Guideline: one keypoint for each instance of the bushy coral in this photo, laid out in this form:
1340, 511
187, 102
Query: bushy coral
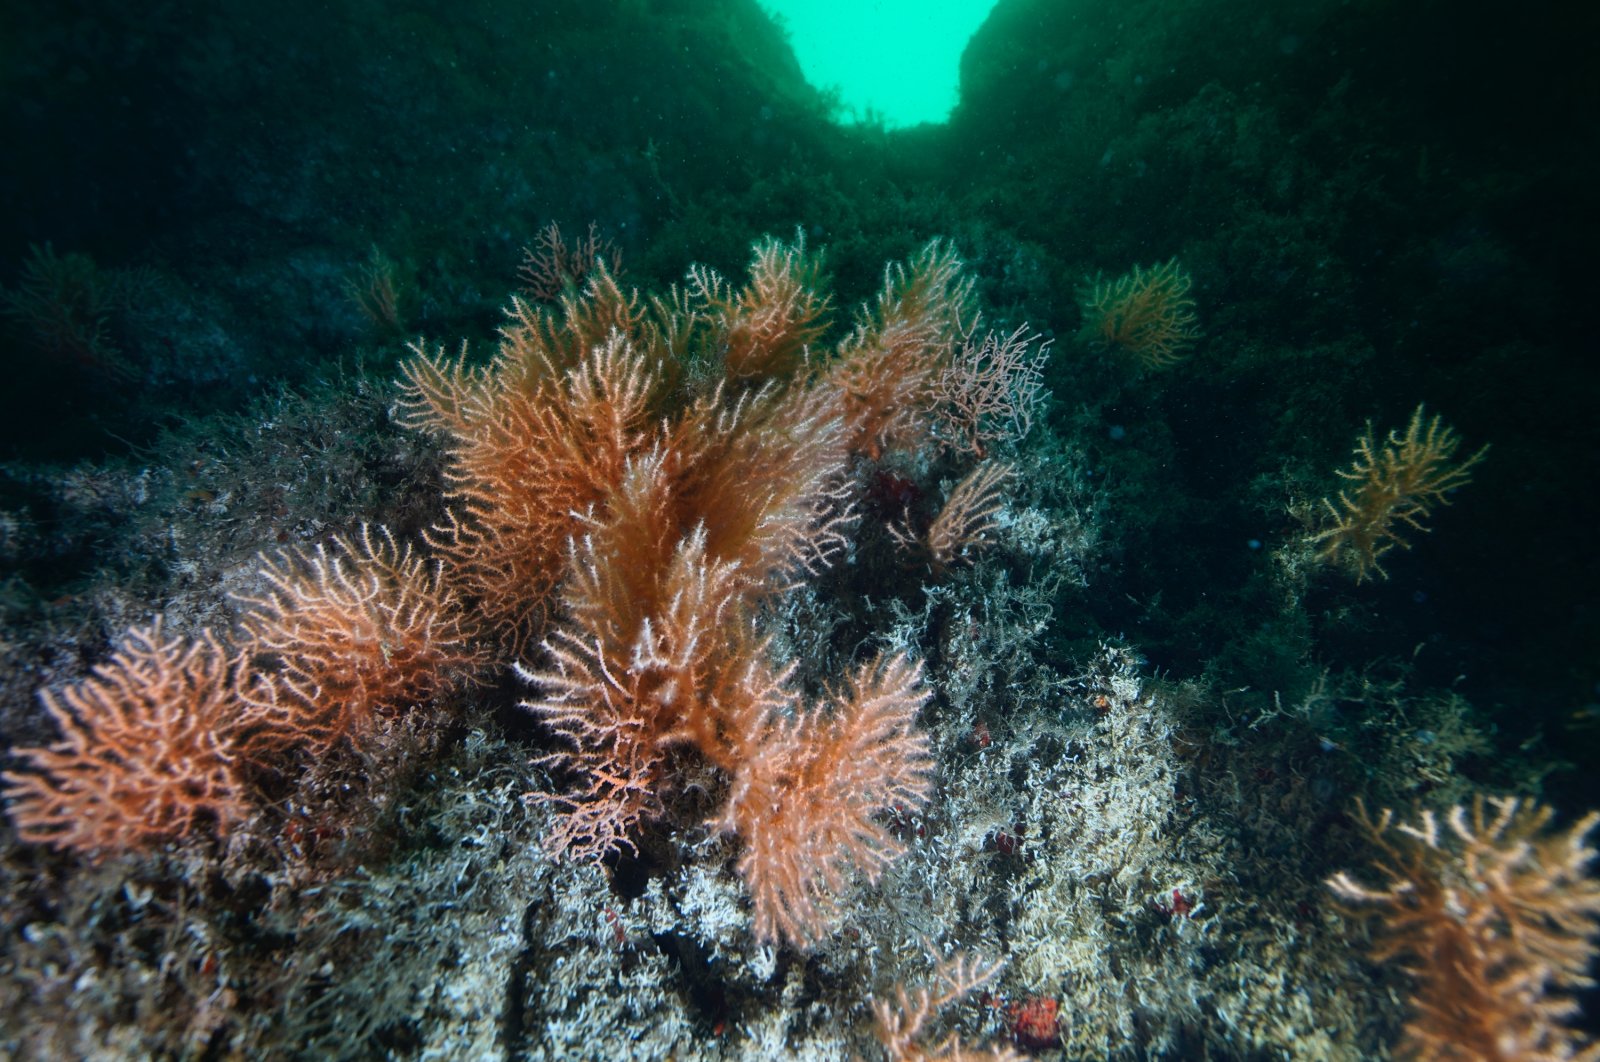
166, 740
889, 368
767, 325
144, 755
1146, 314
354, 633
654, 521
1494, 918
658, 622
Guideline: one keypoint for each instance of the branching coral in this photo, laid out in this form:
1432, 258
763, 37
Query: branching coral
1147, 314
1398, 484
809, 783
1494, 917
358, 632
655, 526
145, 752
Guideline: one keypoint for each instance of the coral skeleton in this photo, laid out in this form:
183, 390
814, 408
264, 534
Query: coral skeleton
900, 1024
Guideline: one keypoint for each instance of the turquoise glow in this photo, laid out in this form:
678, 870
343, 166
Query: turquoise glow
893, 60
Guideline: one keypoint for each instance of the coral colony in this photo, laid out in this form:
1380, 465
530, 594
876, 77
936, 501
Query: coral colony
633, 488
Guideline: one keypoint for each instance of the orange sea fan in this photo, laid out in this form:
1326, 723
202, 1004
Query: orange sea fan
530, 451
808, 788
657, 622
929, 296
767, 483
662, 587
359, 631
145, 752
888, 368
653, 524
536, 342
639, 666
766, 326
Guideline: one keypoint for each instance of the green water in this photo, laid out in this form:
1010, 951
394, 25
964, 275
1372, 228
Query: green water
895, 61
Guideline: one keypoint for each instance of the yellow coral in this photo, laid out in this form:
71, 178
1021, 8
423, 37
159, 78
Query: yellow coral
1494, 919
1147, 314
1399, 484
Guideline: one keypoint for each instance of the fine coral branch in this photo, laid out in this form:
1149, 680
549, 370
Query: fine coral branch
991, 390
145, 753
1495, 919
967, 517
809, 787
1397, 485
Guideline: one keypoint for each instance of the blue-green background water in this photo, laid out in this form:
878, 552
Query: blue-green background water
897, 62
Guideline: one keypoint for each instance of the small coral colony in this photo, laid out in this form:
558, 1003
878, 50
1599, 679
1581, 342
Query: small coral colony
631, 486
